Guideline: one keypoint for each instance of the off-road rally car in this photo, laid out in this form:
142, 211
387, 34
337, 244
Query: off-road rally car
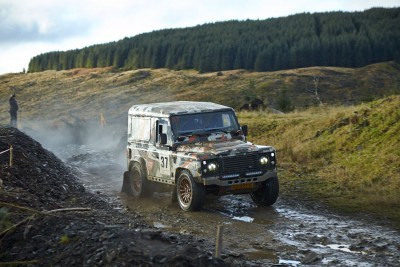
196, 148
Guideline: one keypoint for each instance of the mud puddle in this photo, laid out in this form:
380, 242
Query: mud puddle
287, 233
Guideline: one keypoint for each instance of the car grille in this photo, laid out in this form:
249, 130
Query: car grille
239, 164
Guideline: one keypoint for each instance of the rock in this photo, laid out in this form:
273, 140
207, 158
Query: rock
310, 258
39, 181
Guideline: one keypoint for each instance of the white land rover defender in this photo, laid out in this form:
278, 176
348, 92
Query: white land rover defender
196, 148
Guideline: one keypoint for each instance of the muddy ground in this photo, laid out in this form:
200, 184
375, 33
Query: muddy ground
120, 231
49, 218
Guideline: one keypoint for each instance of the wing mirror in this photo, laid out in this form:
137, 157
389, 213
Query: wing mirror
244, 130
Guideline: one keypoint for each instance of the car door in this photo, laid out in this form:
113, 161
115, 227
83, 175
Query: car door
164, 154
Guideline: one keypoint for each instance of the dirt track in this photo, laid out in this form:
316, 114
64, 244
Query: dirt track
291, 233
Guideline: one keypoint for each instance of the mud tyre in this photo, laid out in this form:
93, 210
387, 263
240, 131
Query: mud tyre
135, 182
190, 195
267, 194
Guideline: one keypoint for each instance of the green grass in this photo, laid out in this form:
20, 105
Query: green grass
347, 157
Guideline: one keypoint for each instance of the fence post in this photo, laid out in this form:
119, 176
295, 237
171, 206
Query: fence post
102, 120
11, 155
218, 245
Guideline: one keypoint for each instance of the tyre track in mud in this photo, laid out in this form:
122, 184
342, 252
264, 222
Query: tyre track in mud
287, 233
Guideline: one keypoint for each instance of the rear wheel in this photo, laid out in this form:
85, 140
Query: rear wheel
190, 194
268, 193
137, 184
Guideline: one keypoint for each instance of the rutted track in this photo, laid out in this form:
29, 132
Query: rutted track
287, 233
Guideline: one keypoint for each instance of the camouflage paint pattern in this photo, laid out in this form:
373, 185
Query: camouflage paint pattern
163, 163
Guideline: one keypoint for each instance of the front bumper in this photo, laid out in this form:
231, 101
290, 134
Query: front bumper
217, 181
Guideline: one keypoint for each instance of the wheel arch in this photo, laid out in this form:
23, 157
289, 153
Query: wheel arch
179, 170
142, 163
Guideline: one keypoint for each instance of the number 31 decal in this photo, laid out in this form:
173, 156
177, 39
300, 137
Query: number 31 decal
164, 162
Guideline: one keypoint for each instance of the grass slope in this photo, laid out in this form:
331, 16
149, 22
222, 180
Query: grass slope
87, 92
349, 157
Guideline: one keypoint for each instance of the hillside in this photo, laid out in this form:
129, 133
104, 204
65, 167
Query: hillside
85, 93
346, 157
342, 39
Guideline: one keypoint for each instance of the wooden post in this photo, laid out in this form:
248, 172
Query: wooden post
11, 155
102, 120
218, 245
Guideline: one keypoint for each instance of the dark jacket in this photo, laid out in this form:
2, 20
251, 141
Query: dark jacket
13, 104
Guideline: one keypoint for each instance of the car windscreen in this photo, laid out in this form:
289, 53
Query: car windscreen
206, 122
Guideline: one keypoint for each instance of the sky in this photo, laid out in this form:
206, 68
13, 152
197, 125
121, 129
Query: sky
32, 27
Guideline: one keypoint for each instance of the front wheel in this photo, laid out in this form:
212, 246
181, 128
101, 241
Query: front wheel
268, 193
190, 194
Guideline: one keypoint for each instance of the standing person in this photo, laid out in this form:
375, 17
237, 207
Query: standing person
13, 111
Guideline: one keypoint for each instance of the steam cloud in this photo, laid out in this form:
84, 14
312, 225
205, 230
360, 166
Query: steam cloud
98, 151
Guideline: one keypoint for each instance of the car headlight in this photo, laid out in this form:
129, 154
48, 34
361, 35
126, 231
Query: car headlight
212, 167
209, 166
264, 160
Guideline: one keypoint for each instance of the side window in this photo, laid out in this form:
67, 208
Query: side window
159, 131
162, 126
140, 128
